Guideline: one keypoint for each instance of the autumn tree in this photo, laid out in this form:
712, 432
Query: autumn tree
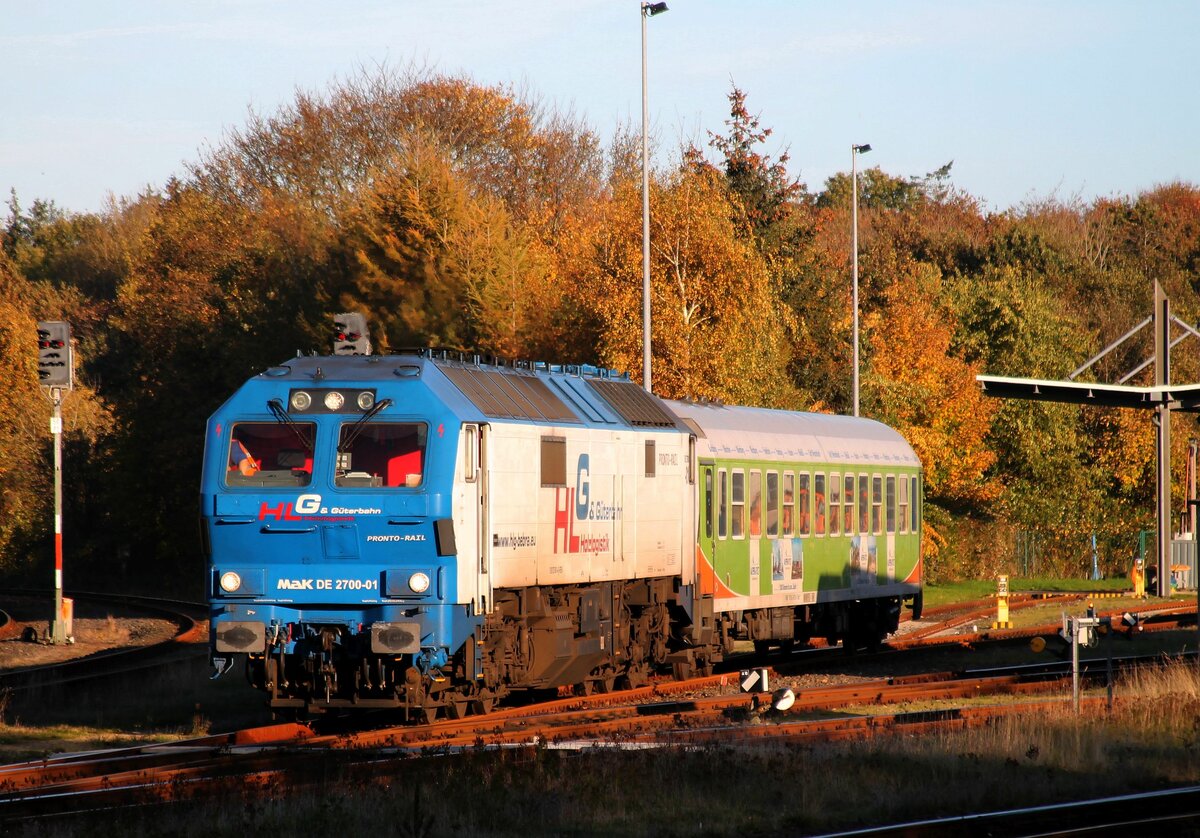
24, 478
25, 452
916, 384
717, 329
763, 186
443, 267
323, 148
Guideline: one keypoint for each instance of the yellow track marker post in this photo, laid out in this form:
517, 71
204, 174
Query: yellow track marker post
1002, 621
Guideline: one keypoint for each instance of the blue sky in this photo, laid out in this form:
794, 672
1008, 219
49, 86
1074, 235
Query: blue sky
1028, 98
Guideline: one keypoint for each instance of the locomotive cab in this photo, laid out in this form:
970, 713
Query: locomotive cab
330, 543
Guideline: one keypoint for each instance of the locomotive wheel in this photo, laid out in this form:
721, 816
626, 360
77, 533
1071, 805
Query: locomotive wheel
682, 670
634, 677
459, 707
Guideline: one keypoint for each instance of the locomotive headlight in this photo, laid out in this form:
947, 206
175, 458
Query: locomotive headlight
334, 400
231, 581
301, 400
366, 400
419, 582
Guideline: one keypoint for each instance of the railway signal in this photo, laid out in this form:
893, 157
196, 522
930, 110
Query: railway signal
56, 372
55, 368
350, 334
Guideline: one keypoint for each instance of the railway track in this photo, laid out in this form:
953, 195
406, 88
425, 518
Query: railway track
660, 715
1165, 812
663, 714
191, 629
1161, 618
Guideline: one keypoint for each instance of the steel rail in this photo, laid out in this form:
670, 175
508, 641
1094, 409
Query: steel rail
188, 617
1162, 807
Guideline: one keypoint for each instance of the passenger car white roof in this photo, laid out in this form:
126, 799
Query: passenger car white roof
753, 433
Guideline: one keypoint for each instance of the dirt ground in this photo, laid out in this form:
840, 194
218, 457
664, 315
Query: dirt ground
95, 629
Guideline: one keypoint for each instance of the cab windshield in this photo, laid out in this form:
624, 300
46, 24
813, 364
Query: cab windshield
268, 454
381, 454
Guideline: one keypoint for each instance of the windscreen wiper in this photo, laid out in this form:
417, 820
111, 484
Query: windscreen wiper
281, 416
358, 426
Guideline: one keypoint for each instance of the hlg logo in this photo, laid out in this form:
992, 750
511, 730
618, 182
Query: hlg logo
579, 501
304, 505
582, 487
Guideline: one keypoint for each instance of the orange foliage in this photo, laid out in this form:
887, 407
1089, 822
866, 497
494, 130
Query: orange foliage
718, 330
1123, 446
915, 385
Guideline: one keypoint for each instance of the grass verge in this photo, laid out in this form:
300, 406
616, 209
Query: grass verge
972, 589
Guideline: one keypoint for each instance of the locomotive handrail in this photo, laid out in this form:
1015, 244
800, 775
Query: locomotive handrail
268, 529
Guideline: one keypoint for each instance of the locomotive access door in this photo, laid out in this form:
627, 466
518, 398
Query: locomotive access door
475, 548
482, 532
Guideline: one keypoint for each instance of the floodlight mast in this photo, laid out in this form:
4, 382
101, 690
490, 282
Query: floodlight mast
648, 10
855, 150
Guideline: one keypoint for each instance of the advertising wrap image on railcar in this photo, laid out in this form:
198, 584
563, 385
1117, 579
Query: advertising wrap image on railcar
433, 533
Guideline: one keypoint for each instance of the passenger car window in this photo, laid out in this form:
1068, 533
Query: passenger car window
737, 504
772, 504
804, 504
819, 504
789, 503
756, 503
835, 503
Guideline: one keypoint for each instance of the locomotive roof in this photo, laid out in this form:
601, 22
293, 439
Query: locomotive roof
759, 433
594, 397
542, 393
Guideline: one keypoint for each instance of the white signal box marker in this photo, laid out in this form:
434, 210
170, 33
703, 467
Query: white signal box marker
754, 680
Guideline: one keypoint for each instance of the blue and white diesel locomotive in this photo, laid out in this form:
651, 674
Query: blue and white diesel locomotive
429, 532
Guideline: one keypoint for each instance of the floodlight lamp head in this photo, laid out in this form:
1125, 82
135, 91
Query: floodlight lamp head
652, 9
863, 149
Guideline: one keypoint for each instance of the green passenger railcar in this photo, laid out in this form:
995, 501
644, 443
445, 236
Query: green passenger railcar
809, 525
